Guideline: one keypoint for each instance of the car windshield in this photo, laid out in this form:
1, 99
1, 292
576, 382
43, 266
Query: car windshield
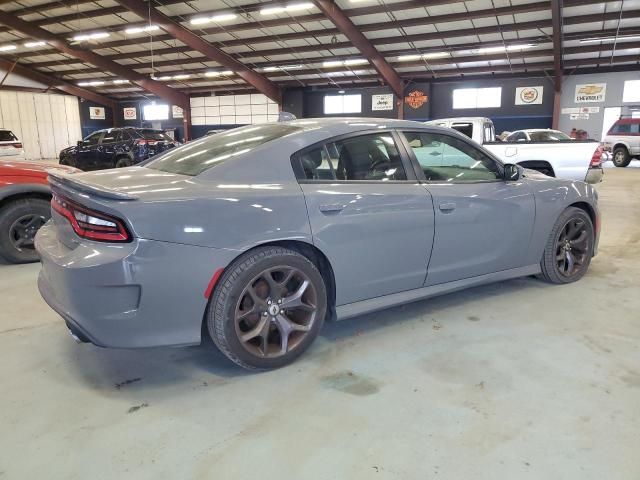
548, 136
7, 136
200, 155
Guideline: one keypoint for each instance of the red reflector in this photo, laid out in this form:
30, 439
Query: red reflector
212, 282
90, 224
16, 145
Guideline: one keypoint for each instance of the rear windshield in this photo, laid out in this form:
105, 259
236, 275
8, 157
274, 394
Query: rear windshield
152, 135
200, 155
550, 136
7, 136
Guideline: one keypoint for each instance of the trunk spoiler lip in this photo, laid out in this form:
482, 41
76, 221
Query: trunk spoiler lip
65, 180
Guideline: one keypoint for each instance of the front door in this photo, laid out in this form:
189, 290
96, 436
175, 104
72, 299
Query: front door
368, 214
483, 224
87, 152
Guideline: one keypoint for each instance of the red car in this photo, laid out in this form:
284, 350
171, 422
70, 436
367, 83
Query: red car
24, 206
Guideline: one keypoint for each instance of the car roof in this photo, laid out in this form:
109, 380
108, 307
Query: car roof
461, 119
622, 121
535, 130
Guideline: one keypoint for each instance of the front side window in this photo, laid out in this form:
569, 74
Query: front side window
195, 157
621, 128
447, 159
92, 139
548, 136
109, 137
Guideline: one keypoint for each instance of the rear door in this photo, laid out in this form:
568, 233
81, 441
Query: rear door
107, 149
87, 155
368, 214
483, 224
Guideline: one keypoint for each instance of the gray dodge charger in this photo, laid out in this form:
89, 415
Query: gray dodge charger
257, 235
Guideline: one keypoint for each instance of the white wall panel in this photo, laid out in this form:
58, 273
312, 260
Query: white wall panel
28, 122
45, 126
44, 123
234, 109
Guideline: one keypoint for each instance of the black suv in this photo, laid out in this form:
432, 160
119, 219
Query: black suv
116, 147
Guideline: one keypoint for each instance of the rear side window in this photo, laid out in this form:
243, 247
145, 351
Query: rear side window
464, 128
195, 157
154, 135
625, 128
7, 136
363, 157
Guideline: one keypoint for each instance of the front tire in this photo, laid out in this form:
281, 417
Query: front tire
267, 308
19, 223
569, 248
621, 157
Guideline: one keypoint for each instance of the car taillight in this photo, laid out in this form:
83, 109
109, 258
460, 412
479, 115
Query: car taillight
90, 224
16, 145
596, 159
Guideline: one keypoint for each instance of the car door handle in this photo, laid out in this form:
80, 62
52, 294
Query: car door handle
331, 207
447, 207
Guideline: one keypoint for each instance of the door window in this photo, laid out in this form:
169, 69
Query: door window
447, 159
362, 157
367, 157
109, 137
92, 139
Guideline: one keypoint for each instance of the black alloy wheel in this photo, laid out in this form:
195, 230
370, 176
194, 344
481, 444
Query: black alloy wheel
267, 307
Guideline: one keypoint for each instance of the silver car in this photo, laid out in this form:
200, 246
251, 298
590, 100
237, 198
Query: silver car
258, 234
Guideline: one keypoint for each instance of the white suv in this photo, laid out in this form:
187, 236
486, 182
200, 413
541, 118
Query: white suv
10, 146
623, 139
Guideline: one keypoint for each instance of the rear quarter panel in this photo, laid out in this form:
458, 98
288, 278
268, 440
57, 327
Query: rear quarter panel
552, 197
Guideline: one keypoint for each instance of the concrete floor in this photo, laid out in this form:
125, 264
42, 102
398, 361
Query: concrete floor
518, 380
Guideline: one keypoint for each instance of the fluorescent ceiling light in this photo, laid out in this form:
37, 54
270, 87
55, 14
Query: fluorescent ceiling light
93, 83
6, 48
218, 74
346, 63
425, 56
182, 76
292, 7
147, 28
91, 36
35, 44
120, 82
610, 39
502, 48
223, 17
282, 67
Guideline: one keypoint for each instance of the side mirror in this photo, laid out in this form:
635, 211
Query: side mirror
512, 172
79, 144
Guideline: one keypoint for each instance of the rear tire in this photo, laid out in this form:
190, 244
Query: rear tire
569, 248
19, 222
621, 157
267, 308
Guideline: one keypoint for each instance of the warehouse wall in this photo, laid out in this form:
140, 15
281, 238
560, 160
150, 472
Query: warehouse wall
313, 102
508, 116
613, 98
45, 123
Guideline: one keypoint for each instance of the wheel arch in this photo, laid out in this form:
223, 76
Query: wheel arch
588, 209
306, 249
23, 192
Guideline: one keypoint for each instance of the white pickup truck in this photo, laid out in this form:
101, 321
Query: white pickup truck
572, 159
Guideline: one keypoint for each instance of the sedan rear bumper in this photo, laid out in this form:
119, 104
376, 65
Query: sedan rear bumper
97, 288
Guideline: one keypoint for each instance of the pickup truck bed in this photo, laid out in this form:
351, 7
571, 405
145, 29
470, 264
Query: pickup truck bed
569, 160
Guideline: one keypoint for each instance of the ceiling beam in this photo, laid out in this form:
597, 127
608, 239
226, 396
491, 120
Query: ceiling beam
362, 43
175, 29
56, 83
175, 97
556, 20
